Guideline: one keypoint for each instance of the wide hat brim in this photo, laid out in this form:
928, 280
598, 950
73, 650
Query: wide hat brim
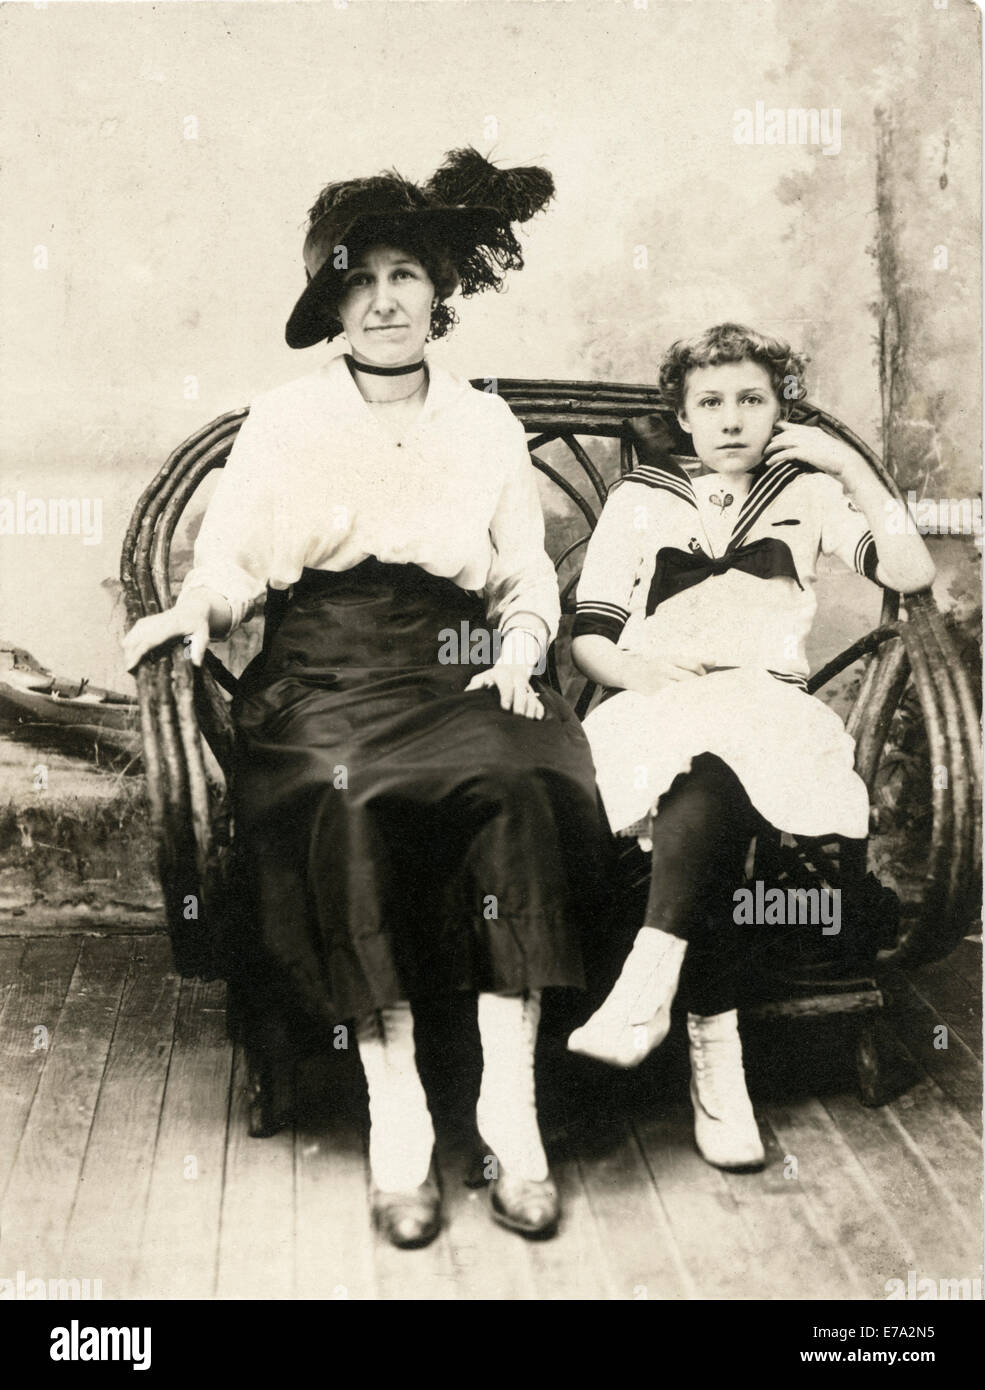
457, 230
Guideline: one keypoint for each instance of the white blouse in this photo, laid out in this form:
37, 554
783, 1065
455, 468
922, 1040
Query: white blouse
313, 480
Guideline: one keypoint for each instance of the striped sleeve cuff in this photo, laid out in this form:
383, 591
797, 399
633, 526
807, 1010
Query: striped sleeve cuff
595, 618
789, 678
866, 558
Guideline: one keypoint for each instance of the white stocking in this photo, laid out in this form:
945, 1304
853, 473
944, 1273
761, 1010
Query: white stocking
401, 1135
506, 1113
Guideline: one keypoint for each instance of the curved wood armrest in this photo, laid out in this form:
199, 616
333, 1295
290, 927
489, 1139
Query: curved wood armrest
952, 877
181, 805
871, 642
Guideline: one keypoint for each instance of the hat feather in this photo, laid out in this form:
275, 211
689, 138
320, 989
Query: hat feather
467, 177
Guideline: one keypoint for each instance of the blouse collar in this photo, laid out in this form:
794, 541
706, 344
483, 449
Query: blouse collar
444, 389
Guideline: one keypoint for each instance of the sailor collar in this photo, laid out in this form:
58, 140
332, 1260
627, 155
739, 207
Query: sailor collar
768, 483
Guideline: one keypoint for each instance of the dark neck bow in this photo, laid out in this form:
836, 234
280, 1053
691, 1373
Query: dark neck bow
677, 570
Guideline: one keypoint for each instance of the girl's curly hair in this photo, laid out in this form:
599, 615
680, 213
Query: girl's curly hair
732, 342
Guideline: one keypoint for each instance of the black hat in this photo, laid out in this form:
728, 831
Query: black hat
466, 209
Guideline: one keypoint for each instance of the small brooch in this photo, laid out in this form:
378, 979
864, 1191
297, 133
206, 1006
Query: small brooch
718, 499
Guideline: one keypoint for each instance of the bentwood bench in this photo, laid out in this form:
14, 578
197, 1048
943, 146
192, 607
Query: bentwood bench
579, 435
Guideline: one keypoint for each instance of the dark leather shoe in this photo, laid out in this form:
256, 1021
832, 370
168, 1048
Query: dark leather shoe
409, 1219
531, 1208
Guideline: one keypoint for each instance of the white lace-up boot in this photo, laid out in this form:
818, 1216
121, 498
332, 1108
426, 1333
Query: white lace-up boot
725, 1128
635, 1018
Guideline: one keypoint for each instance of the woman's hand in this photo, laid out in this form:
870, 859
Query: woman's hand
520, 654
515, 690
649, 674
811, 444
189, 618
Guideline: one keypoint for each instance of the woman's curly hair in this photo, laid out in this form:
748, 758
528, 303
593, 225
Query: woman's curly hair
732, 342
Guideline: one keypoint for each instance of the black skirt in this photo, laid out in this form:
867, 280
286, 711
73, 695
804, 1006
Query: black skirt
397, 837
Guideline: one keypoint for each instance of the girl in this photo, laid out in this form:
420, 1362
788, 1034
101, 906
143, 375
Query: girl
695, 601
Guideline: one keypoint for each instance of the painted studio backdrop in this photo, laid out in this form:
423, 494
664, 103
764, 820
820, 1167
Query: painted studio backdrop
811, 170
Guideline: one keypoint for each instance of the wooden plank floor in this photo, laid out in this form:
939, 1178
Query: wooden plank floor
124, 1156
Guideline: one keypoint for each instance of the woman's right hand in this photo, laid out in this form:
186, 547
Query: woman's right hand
649, 674
189, 619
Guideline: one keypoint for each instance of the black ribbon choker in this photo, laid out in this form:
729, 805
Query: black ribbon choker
383, 371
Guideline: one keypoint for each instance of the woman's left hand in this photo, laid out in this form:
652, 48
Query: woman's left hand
515, 691
810, 444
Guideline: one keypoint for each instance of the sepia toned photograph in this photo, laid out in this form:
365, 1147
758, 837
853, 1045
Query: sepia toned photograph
491, 662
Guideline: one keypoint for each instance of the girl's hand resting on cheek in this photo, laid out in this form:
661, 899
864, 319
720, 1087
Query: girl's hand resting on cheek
810, 444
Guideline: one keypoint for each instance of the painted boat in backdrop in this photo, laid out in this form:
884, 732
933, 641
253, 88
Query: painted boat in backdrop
32, 695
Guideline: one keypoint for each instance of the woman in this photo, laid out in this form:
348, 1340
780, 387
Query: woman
409, 822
